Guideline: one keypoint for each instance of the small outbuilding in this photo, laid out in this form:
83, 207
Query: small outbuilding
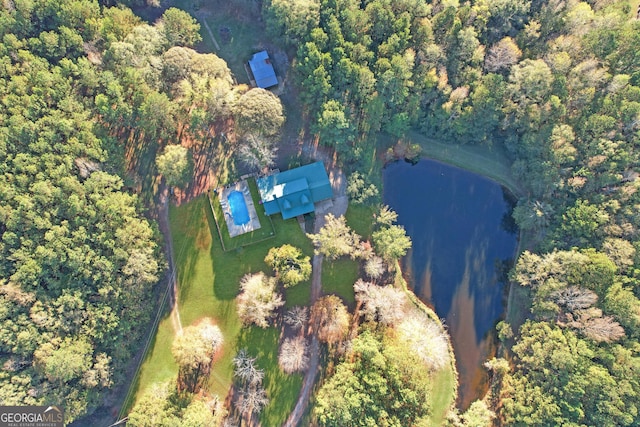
295, 192
262, 70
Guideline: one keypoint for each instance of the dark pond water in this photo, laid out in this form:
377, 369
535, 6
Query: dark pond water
462, 236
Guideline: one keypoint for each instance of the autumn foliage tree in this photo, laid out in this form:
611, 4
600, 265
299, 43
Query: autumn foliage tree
330, 318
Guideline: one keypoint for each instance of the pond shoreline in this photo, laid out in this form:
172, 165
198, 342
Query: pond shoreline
450, 156
491, 163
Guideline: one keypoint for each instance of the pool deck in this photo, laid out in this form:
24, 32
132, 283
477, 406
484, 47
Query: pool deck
254, 222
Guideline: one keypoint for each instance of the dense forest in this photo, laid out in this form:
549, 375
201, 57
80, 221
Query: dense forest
93, 102
89, 92
557, 85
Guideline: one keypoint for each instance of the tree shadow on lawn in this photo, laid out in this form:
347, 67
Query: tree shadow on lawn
282, 389
185, 225
188, 228
228, 266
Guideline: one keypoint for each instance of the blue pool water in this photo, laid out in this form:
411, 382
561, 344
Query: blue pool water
238, 207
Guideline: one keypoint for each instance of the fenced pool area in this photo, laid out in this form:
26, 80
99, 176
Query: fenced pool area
234, 236
239, 211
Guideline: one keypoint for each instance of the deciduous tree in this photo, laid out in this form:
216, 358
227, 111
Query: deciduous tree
502, 55
335, 238
175, 164
330, 319
377, 380
193, 351
259, 111
290, 265
258, 299
180, 28
359, 190
293, 356
391, 242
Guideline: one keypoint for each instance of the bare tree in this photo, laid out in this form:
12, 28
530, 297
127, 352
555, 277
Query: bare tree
383, 304
258, 299
245, 368
594, 325
231, 422
293, 355
297, 317
573, 298
257, 151
603, 329
252, 399
503, 54
426, 338
374, 267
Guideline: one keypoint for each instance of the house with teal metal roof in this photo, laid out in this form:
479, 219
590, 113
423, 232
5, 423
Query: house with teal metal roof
295, 192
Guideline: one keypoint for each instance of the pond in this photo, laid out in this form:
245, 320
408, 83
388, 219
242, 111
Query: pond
463, 239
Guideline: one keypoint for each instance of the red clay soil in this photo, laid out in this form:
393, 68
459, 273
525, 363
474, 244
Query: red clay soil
204, 154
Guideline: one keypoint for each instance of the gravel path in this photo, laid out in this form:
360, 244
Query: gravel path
337, 206
165, 228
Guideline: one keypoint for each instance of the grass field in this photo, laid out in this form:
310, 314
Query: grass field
338, 278
443, 395
360, 219
208, 282
491, 162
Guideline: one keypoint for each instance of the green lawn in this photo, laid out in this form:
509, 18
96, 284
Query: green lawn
247, 37
489, 161
338, 278
360, 219
208, 281
281, 388
443, 395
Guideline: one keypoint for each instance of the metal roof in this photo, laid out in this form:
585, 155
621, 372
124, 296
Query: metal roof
295, 191
262, 70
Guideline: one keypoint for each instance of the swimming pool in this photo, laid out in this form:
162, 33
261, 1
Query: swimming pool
238, 207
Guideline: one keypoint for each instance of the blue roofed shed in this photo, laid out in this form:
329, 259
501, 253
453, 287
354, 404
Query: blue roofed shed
262, 70
295, 191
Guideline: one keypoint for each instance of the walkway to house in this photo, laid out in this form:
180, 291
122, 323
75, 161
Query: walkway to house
337, 206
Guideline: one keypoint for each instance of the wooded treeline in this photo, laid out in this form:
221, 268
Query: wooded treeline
557, 85
90, 97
